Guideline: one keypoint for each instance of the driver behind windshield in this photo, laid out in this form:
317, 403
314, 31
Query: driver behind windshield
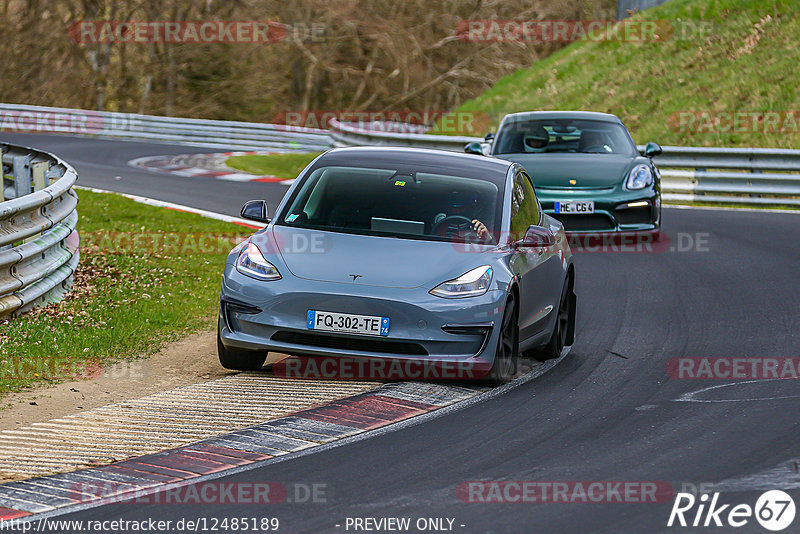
536, 141
465, 206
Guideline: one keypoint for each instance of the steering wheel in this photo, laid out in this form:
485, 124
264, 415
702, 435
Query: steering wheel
455, 224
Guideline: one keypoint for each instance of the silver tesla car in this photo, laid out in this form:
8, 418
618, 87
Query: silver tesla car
401, 254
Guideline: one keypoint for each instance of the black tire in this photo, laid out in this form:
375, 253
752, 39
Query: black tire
504, 366
238, 359
564, 329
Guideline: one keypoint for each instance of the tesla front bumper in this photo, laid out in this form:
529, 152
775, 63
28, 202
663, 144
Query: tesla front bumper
271, 316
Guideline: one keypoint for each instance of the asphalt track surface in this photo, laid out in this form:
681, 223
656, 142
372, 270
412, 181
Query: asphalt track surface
104, 164
608, 412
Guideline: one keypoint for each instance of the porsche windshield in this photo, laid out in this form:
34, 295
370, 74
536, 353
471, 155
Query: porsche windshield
406, 203
564, 135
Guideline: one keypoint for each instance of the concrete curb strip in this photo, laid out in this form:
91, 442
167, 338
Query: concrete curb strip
297, 431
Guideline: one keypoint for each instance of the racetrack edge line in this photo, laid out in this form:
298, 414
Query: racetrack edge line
412, 421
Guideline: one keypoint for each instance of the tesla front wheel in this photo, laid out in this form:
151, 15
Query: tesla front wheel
238, 359
504, 366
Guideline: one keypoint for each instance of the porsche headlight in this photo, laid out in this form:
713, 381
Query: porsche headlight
640, 177
470, 284
252, 263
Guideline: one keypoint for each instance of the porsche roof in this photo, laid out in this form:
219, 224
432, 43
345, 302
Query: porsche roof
570, 115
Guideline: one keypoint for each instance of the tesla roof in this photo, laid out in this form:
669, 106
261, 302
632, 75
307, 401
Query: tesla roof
416, 156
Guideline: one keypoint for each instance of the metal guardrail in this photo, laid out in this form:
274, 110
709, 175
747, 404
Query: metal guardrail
38, 242
195, 132
347, 134
755, 176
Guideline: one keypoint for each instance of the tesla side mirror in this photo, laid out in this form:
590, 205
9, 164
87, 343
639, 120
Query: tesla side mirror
255, 210
488, 137
473, 148
537, 237
652, 149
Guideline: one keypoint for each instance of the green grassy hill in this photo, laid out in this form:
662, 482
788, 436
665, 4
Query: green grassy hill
712, 58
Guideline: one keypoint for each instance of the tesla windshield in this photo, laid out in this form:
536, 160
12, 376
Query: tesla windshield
564, 135
405, 203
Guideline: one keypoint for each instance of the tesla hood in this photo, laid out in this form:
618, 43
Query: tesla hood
367, 260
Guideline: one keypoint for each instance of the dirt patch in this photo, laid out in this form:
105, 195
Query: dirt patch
191, 360
188, 361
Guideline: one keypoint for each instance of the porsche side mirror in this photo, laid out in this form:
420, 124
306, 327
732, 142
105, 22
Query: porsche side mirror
537, 237
473, 148
255, 210
652, 149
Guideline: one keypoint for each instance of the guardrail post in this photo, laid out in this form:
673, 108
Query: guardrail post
40, 180
22, 176
2, 188
2, 179
756, 171
51, 174
699, 170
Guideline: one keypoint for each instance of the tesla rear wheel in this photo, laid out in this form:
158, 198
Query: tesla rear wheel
504, 366
240, 360
562, 327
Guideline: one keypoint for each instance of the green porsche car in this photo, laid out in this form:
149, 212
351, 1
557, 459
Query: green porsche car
586, 169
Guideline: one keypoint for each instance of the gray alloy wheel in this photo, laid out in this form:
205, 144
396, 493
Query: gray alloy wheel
504, 366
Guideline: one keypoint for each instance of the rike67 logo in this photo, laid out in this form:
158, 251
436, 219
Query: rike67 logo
774, 510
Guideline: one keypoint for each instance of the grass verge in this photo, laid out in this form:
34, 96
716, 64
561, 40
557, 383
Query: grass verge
286, 166
713, 58
147, 276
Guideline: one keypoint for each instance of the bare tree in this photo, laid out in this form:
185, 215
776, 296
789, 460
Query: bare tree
361, 55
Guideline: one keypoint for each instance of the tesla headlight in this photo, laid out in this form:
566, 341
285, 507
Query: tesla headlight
640, 177
470, 284
252, 263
